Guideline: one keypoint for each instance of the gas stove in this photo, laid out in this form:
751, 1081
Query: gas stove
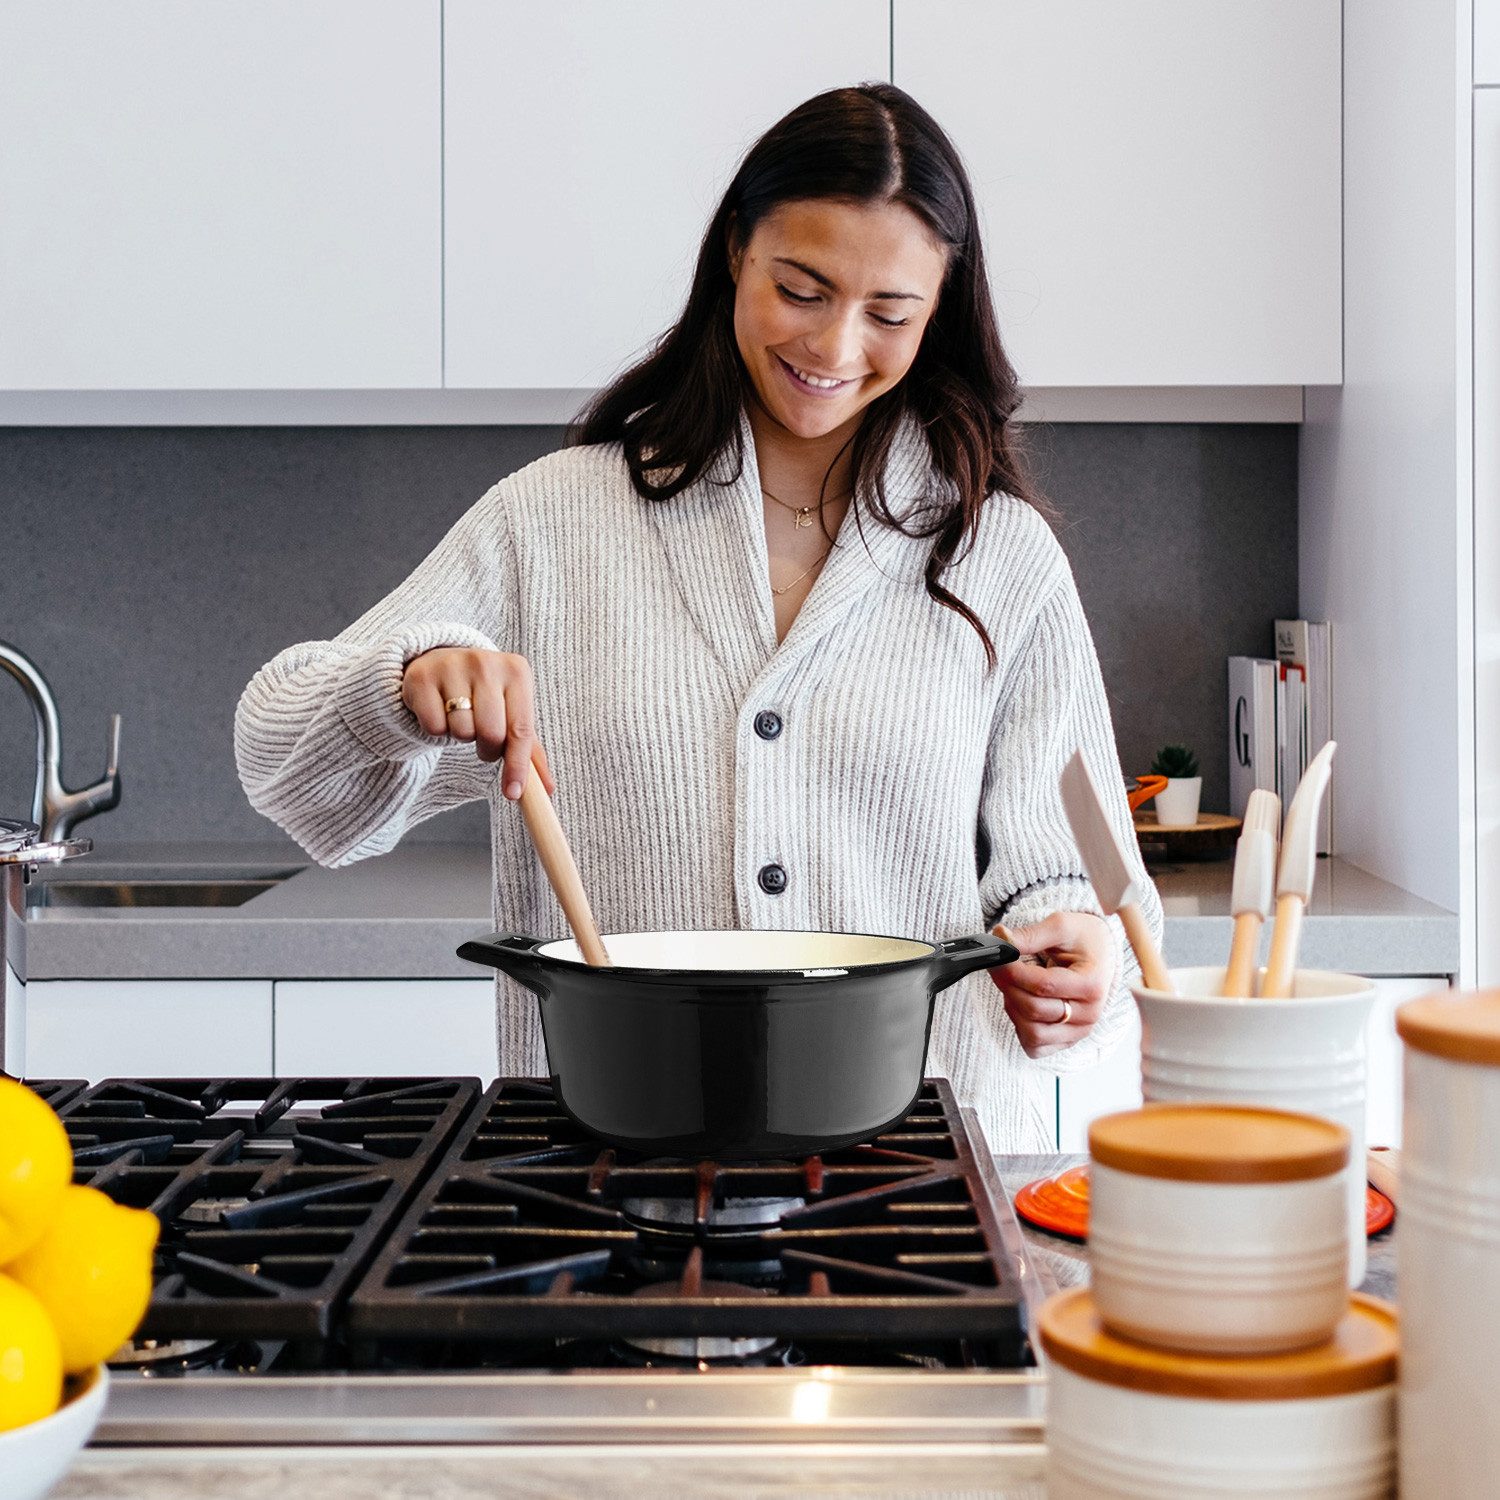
417, 1260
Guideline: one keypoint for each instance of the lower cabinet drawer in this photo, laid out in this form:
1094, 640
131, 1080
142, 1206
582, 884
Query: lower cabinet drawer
147, 1028
381, 1027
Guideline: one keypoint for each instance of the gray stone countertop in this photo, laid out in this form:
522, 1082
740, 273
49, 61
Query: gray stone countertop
402, 915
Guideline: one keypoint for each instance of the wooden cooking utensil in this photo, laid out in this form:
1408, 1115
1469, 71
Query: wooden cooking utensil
1254, 883
557, 860
1107, 868
1294, 875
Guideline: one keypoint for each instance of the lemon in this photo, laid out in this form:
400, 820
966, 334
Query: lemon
30, 1361
36, 1164
91, 1271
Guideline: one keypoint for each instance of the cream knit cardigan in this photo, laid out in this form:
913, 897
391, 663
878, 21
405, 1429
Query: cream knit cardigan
910, 792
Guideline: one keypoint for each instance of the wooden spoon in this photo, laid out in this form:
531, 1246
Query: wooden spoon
557, 860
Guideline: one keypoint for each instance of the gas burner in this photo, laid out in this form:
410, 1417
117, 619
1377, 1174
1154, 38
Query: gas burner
690, 1349
168, 1357
734, 1216
211, 1210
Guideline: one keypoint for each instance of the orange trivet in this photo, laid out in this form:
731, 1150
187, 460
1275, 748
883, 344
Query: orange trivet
1060, 1205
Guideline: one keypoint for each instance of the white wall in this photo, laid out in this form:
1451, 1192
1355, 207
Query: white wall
1386, 488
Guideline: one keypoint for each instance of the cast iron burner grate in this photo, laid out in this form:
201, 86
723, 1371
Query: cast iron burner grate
56, 1091
524, 1231
273, 1193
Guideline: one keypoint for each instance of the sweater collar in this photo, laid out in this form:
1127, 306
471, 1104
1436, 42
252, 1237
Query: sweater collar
714, 536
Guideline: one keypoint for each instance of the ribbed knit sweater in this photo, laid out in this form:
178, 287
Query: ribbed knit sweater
911, 791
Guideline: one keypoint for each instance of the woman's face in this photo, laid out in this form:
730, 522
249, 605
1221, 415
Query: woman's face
831, 301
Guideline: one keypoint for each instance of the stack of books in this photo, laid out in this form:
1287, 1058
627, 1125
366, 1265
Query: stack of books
1280, 716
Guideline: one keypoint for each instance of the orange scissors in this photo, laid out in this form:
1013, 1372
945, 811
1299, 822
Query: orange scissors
1146, 787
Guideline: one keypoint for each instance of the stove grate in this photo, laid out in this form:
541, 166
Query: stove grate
525, 1230
273, 1193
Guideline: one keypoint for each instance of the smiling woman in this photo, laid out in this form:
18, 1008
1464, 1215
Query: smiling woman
801, 645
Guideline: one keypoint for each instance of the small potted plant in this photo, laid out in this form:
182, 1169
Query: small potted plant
1177, 803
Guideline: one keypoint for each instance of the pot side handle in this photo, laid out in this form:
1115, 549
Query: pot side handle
511, 953
960, 956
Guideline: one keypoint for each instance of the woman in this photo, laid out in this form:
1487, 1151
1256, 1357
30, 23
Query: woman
802, 648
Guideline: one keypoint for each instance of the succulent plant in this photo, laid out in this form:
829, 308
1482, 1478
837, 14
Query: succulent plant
1176, 762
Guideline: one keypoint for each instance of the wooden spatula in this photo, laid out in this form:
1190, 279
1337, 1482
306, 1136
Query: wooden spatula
1294, 874
1107, 868
557, 860
1254, 887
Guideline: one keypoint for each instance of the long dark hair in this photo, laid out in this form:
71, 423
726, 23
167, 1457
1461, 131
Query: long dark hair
677, 409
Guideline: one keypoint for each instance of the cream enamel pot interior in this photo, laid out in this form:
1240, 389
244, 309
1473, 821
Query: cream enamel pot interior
738, 1045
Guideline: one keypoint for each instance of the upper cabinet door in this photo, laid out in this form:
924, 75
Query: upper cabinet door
586, 145
1486, 41
230, 196
1160, 180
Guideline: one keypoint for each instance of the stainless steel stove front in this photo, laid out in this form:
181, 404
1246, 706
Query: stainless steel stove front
807, 1405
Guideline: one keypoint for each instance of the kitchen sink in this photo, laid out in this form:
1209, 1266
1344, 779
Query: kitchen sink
184, 891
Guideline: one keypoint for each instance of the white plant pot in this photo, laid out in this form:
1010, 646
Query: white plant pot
1177, 803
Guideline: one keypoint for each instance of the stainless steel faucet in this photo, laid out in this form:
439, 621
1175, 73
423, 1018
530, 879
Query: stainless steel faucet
54, 809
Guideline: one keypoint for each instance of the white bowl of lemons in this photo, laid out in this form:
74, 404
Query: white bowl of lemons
75, 1280
34, 1457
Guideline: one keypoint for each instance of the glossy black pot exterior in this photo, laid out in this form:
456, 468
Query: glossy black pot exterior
737, 1064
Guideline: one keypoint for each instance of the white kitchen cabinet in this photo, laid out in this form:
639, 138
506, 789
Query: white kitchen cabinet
148, 1028
1487, 529
1486, 41
1160, 181
14, 1060
379, 1027
585, 146
220, 197
1116, 1082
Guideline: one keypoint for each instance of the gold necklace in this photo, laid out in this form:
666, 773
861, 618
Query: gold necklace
803, 513
787, 587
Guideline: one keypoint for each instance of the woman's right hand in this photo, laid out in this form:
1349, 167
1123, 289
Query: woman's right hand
502, 721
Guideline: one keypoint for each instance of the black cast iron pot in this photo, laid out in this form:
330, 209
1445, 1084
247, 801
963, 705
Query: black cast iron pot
738, 1045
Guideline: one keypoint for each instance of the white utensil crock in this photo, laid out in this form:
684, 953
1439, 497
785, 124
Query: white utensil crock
1304, 1053
1448, 1247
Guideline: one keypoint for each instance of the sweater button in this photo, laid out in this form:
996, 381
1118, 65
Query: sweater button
768, 724
772, 879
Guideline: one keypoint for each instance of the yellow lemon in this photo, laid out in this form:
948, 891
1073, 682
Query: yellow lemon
30, 1362
36, 1164
91, 1270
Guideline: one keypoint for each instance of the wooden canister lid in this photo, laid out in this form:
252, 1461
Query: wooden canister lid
1361, 1356
1464, 1027
1219, 1143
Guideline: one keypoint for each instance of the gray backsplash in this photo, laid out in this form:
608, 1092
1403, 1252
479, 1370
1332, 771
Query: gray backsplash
150, 572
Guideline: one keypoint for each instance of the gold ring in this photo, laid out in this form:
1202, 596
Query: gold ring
458, 705
1067, 1014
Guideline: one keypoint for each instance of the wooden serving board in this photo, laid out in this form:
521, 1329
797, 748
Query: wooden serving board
1213, 836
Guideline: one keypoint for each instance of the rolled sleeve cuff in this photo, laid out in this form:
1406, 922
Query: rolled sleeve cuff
368, 696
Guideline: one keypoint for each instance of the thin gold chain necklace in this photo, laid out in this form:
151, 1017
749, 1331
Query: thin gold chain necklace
787, 587
804, 513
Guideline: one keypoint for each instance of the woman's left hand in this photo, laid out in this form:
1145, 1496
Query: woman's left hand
1055, 991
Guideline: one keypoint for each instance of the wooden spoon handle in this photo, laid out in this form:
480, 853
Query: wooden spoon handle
1153, 970
557, 860
1285, 937
1241, 970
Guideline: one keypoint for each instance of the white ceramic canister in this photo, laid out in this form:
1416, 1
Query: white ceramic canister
1218, 1228
1448, 1246
1128, 1422
1305, 1053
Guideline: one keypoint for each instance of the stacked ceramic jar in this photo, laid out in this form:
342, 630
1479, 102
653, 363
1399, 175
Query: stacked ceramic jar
1218, 1350
1448, 1246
